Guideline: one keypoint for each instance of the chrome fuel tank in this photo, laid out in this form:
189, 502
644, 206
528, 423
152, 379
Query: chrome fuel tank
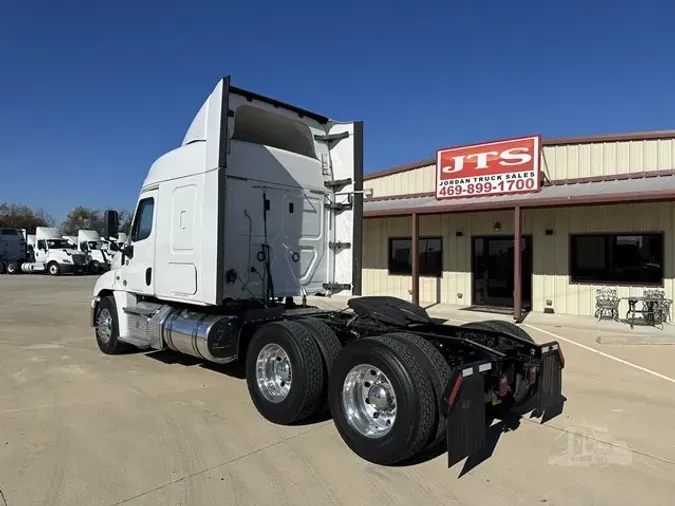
208, 336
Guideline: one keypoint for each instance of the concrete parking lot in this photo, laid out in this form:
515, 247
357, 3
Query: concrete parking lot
81, 428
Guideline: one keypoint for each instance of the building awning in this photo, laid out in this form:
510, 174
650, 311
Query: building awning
637, 189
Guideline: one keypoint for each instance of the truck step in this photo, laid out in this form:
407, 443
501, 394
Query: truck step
140, 343
143, 309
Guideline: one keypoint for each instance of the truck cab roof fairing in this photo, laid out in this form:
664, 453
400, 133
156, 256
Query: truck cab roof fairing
198, 130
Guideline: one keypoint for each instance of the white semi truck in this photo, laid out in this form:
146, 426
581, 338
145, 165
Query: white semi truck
262, 203
54, 255
90, 242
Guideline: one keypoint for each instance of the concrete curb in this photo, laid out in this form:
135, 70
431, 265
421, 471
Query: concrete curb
636, 340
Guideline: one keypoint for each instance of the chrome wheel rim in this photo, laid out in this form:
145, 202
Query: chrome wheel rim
273, 372
369, 401
104, 325
52, 269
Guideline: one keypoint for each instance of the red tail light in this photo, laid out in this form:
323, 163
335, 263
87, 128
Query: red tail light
503, 386
532, 377
455, 390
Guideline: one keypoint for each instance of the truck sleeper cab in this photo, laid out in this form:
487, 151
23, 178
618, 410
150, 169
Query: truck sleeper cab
262, 204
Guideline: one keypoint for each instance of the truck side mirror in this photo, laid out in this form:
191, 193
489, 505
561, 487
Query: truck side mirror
111, 221
128, 251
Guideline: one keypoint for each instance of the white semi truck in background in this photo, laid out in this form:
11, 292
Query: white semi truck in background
114, 252
260, 204
54, 255
90, 243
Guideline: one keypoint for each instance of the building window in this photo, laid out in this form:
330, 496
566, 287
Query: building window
632, 259
430, 260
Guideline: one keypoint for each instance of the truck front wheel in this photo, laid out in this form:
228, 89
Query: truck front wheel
53, 269
12, 267
107, 328
95, 267
284, 372
381, 399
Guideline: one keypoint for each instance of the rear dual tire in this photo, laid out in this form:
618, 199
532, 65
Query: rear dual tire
285, 372
388, 373
383, 392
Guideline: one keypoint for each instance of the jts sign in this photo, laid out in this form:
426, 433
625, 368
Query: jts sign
510, 166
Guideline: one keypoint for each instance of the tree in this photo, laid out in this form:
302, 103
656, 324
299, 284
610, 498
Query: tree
86, 218
83, 218
22, 216
124, 221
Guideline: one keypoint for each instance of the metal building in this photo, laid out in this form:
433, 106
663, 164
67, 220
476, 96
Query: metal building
602, 216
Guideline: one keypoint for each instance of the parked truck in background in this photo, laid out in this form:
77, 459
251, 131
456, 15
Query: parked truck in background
120, 239
259, 206
90, 243
115, 246
54, 255
13, 250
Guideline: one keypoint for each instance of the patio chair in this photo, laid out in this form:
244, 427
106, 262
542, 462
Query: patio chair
606, 303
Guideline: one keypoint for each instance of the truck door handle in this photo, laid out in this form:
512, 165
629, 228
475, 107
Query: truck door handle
148, 276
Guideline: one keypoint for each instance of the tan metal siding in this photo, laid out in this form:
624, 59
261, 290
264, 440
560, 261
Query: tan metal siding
550, 253
422, 180
608, 158
572, 161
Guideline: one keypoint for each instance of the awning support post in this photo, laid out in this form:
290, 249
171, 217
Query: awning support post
415, 267
517, 275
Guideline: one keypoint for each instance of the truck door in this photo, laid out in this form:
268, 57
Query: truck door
139, 274
345, 205
41, 251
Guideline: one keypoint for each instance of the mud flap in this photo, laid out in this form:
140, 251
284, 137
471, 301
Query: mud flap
465, 429
550, 378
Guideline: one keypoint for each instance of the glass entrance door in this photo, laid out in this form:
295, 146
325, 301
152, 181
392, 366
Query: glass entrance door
492, 271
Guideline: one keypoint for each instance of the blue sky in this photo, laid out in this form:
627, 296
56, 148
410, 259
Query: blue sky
92, 92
